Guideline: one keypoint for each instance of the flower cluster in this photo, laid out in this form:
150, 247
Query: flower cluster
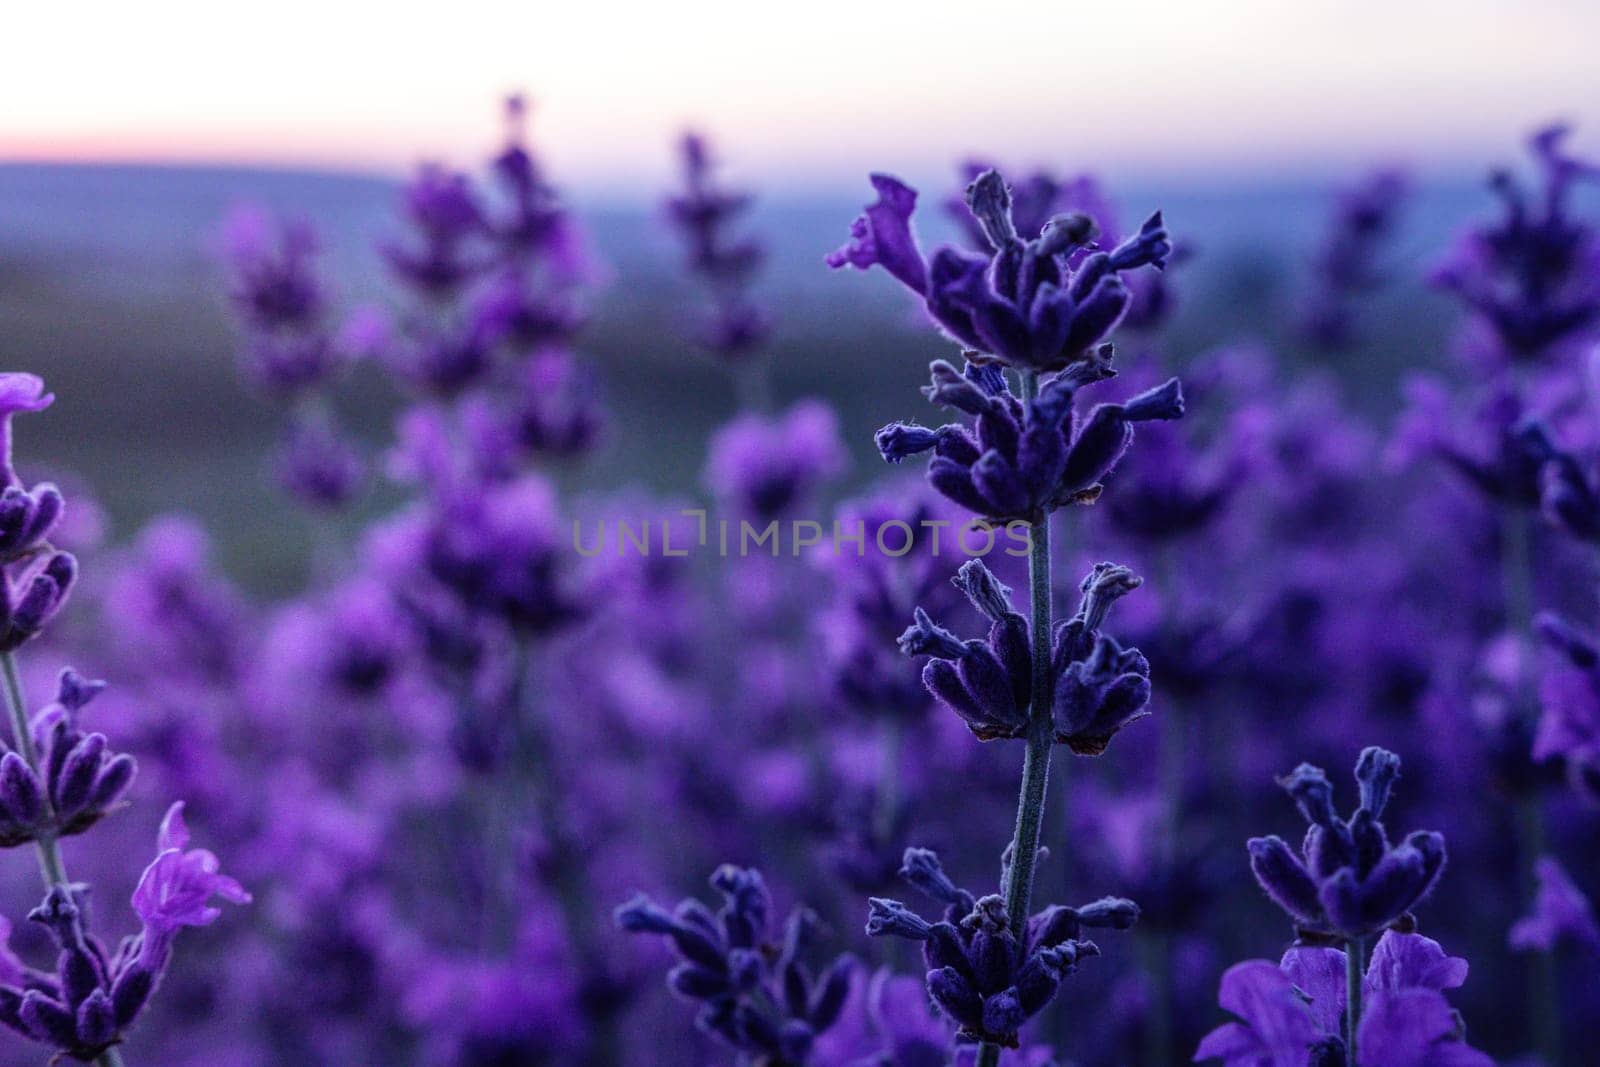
724, 262
81, 781
1027, 457
1529, 279
1349, 881
755, 993
1036, 303
979, 972
1099, 687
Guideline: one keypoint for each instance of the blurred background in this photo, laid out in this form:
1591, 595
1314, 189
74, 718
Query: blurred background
126, 141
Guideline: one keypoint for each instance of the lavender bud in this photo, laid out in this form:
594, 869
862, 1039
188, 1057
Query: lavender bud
990, 202
987, 593
20, 794
1376, 771
923, 638
894, 919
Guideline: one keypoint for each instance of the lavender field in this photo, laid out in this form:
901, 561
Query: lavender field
1024, 619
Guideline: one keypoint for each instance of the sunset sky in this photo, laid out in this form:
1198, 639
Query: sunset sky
809, 94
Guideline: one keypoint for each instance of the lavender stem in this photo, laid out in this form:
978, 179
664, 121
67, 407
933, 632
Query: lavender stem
1041, 733
51, 867
1354, 966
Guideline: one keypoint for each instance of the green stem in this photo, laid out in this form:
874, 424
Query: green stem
51, 867
1355, 966
1040, 737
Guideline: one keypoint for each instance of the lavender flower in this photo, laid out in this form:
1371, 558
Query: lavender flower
317, 465
1529, 279
1346, 264
1025, 458
273, 277
1349, 882
767, 468
79, 780
725, 263
446, 218
1561, 913
1025, 303
1289, 1013
1569, 718
1100, 687
756, 995
95, 995
979, 974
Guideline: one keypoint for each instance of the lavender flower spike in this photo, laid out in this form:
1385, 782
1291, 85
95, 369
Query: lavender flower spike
1021, 460
1348, 882
979, 973
95, 995
1099, 686
755, 993
1039, 304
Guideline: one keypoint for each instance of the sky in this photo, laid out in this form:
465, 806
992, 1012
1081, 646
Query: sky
802, 95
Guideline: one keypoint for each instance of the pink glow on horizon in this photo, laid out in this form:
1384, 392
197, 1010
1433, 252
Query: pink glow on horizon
1246, 84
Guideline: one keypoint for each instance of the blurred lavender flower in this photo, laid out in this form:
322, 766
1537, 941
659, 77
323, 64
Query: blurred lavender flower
446, 220
1561, 914
755, 994
1025, 458
289, 349
1497, 449
317, 465
726, 264
1029, 303
1349, 881
1100, 687
1569, 718
764, 468
1346, 266
979, 974
1532, 279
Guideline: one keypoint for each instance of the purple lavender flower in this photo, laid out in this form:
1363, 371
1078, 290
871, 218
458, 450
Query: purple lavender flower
271, 262
766, 468
1290, 1013
1025, 303
1348, 882
79, 780
1099, 688
554, 412
1029, 458
1346, 266
1532, 279
176, 889
1497, 449
1569, 717
1561, 913
498, 550
979, 973
755, 994
319, 466
95, 995
446, 218
19, 393
703, 214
